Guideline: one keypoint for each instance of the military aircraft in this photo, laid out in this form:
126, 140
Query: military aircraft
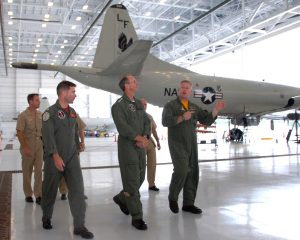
119, 53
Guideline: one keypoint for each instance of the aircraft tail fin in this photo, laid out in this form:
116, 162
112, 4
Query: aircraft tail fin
131, 61
116, 36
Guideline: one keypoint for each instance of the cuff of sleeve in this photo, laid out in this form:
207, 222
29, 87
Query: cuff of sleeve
133, 136
52, 151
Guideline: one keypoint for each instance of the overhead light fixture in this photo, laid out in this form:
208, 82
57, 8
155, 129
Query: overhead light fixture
52, 64
62, 46
73, 27
162, 1
82, 57
10, 44
75, 64
38, 45
39, 39
50, 4
78, 18
44, 25
9, 38
35, 55
33, 60
46, 15
89, 65
10, 23
59, 52
177, 17
10, 54
65, 41
54, 60
147, 14
36, 50
10, 13
10, 50
85, 7
10, 1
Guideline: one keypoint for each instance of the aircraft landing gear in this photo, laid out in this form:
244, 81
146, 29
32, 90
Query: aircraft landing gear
236, 135
296, 125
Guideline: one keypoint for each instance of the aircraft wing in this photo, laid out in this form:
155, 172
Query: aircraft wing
131, 61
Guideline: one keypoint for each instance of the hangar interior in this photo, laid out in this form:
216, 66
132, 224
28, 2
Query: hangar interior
247, 190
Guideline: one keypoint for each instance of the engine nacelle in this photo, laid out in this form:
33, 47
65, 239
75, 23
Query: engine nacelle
245, 121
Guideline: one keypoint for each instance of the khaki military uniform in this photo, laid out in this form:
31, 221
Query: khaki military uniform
131, 120
62, 186
60, 135
30, 123
151, 155
182, 140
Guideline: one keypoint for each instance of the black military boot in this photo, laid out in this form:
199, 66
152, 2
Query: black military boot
139, 224
46, 223
173, 205
83, 232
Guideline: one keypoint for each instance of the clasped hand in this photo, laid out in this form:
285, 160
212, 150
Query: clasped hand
141, 142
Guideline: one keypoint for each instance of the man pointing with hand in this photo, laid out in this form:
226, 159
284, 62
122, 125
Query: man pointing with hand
181, 117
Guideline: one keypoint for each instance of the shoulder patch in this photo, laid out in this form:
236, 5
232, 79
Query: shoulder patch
46, 116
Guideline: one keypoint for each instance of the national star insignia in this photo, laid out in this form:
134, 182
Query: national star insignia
46, 116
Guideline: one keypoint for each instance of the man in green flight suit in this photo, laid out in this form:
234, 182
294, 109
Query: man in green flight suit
133, 126
61, 149
181, 117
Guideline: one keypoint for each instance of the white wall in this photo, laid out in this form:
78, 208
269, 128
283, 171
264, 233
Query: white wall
14, 89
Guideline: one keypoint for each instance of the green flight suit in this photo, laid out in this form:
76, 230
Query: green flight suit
131, 120
182, 140
60, 135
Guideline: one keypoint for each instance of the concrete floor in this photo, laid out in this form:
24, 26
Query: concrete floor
246, 192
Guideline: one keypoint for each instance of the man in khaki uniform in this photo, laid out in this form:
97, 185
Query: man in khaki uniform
151, 152
63, 189
29, 133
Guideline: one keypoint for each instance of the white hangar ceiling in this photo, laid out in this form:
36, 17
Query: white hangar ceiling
183, 31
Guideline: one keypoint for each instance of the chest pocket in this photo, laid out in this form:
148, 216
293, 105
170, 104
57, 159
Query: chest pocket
131, 112
30, 123
72, 122
194, 116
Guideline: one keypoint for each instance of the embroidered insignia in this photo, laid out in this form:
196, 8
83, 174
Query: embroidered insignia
73, 115
46, 116
61, 114
131, 107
